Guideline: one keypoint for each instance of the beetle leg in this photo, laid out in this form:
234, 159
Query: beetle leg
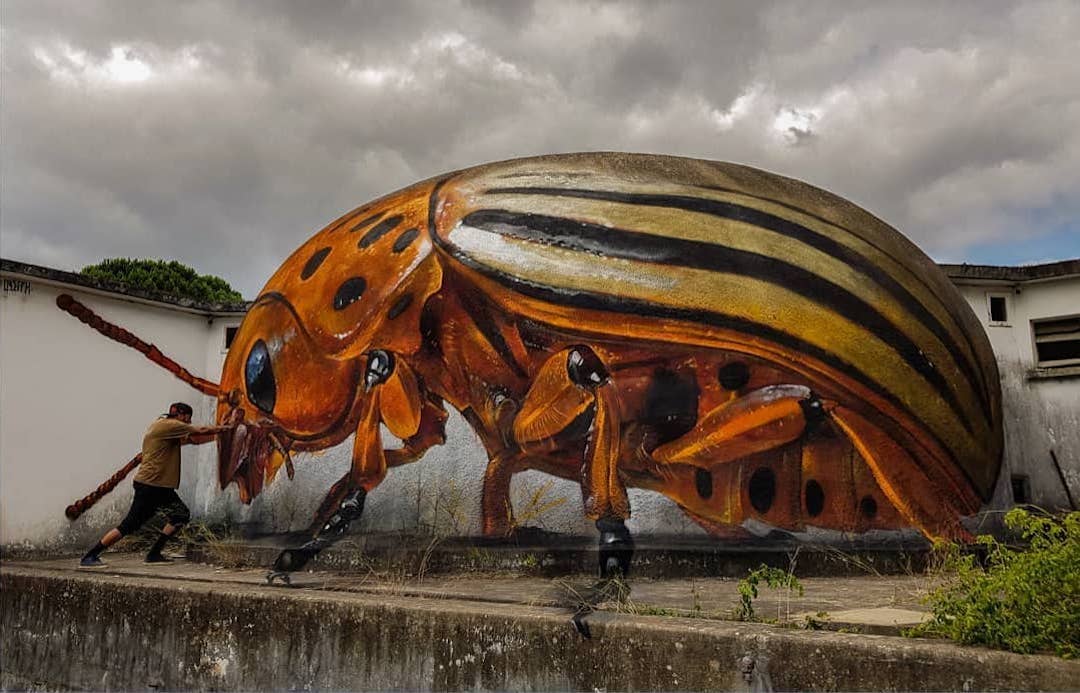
400, 402
431, 432
574, 387
759, 420
921, 502
498, 513
344, 503
554, 401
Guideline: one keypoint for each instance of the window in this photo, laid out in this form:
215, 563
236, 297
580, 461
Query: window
999, 308
1057, 342
230, 335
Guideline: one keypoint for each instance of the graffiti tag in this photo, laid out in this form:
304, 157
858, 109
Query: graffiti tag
20, 286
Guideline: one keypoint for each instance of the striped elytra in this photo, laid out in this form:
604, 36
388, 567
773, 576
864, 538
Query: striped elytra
769, 350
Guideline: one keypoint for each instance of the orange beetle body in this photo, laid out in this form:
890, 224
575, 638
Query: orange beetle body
745, 344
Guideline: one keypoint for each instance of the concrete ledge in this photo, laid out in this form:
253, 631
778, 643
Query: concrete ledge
72, 629
555, 555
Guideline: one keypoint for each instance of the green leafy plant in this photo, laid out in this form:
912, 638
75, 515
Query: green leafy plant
773, 578
158, 276
1025, 600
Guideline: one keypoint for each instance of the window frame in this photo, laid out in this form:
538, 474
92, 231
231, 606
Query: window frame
1054, 364
225, 341
1006, 298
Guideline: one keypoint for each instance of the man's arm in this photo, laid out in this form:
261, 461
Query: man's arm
204, 434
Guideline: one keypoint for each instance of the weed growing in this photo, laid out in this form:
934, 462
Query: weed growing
219, 541
532, 505
1024, 600
773, 578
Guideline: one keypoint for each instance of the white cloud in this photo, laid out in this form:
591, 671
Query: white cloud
125, 64
214, 131
742, 105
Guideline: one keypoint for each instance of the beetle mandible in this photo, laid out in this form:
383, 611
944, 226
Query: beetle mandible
744, 343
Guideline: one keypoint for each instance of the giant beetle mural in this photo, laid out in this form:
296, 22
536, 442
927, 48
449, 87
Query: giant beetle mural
745, 344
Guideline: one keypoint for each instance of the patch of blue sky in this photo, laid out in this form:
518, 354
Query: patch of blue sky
1062, 243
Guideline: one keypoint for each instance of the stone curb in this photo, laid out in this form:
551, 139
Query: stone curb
97, 631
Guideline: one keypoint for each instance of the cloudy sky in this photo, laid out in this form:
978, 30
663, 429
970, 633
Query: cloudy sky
223, 134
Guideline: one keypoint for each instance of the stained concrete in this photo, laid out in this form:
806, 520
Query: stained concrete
550, 554
196, 626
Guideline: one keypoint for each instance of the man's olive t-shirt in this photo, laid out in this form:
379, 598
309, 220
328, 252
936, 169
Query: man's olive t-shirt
161, 452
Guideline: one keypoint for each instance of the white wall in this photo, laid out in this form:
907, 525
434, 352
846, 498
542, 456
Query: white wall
74, 405
1041, 413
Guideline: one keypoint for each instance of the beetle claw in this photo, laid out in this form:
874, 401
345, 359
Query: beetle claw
616, 548
285, 578
291, 560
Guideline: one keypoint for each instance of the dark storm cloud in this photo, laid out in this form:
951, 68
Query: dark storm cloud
223, 134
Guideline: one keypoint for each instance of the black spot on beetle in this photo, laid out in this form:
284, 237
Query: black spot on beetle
703, 483
671, 404
868, 507
762, 489
399, 306
349, 292
405, 239
379, 230
429, 328
733, 375
313, 262
367, 222
814, 496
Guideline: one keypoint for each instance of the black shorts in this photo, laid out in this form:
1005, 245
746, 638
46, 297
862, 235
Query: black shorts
148, 501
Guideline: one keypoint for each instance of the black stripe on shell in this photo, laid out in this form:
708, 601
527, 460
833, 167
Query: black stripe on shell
798, 232
643, 247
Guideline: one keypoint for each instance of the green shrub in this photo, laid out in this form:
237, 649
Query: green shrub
1025, 600
159, 276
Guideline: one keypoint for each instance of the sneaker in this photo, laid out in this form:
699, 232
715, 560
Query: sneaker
157, 558
91, 562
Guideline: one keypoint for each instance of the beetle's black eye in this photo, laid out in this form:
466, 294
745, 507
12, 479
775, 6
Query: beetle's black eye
259, 377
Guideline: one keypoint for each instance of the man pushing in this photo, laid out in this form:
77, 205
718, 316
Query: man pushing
156, 482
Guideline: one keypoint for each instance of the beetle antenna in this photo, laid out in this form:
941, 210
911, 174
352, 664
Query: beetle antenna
68, 304
83, 504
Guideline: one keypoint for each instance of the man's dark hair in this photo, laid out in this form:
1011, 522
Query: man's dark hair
178, 408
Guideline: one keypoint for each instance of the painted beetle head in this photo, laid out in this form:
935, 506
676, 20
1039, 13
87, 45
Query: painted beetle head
294, 375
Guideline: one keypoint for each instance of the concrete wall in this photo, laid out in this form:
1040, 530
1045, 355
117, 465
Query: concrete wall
1041, 409
190, 635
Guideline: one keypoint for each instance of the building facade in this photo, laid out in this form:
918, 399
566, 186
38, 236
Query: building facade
1032, 317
